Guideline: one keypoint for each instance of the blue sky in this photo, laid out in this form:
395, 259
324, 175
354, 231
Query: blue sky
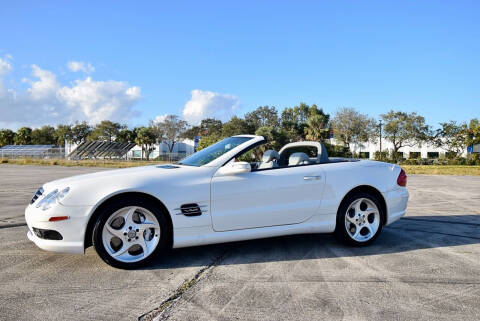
146, 58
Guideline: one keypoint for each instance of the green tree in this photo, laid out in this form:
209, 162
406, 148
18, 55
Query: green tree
473, 132
350, 126
23, 136
80, 132
207, 127
6, 137
263, 116
317, 125
126, 135
44, 135
106, 131
207, 141
191, 133
235, 126
404, 129
452, 136
473, 136
275, 138
170, 130
294, 120
63, 133
211, 126
146, 138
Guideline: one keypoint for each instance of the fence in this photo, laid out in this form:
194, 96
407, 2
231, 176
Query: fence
162, 156
25, 152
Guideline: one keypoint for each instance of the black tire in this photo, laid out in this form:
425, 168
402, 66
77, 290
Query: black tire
341, 231
162, 247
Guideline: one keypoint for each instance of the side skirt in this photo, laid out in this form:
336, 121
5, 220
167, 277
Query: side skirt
203, 235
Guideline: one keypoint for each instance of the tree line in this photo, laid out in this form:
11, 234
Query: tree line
302, 122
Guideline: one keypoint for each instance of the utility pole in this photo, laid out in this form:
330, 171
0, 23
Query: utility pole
380, 126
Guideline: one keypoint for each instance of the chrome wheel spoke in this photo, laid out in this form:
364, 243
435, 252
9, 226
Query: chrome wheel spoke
357, 232
114, 232
129, 216
352, 219
122, 250
143, 244
369, 228
145, 225
357, 205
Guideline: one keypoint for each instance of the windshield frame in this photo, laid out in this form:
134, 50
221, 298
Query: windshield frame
219, 160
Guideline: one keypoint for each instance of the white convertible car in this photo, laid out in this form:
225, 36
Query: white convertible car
229, 191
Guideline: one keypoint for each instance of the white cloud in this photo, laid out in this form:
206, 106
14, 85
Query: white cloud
208, 104
46, 101
80, 66
5, 66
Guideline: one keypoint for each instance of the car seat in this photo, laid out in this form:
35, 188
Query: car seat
269, 159
298, 159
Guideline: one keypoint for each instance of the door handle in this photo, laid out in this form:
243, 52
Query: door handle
312, 178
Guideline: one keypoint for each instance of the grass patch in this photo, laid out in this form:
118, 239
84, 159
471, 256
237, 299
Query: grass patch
112, 163
442, 169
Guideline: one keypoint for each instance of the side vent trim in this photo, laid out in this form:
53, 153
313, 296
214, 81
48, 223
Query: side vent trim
191, 209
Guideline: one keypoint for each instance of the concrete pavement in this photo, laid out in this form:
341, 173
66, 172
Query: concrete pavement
425, 267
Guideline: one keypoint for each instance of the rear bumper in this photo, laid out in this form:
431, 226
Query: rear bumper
397, 201
72, 230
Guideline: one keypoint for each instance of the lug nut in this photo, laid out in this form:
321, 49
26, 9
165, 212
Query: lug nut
129, 227
136, 237
129, 240
125, 233
137, 230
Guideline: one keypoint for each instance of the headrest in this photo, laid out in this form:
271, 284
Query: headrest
298, 159
269, 156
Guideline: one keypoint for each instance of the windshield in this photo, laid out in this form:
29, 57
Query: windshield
214, 151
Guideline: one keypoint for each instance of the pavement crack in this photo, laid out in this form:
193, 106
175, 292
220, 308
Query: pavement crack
184, 287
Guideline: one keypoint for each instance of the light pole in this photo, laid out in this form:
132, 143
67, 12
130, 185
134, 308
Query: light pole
380, 126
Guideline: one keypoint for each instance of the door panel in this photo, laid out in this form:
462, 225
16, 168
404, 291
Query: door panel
266, 198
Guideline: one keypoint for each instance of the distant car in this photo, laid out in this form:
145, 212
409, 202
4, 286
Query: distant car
230, 191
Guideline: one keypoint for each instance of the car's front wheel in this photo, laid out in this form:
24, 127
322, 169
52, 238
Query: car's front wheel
130, 233
359, 219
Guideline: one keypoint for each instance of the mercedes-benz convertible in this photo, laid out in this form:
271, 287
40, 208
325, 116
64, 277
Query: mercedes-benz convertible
230, 191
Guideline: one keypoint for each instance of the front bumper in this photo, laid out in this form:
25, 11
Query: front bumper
72, 230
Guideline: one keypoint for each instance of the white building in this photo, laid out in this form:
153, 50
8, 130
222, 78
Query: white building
368, 149
162, 150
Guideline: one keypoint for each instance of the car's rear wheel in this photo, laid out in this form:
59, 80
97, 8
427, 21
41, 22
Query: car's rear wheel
130, 233
359, 219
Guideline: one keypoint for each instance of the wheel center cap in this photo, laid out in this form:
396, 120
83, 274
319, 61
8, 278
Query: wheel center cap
131, 234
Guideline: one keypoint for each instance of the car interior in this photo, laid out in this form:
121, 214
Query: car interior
293, 154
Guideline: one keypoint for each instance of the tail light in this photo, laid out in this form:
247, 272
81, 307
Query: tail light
402, 178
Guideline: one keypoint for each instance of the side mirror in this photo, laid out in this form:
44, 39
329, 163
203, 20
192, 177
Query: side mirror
234, 168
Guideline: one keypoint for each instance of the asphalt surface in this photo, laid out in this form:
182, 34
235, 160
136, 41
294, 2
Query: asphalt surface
424, 267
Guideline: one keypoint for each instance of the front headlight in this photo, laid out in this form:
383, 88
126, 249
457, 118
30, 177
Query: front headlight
51, 198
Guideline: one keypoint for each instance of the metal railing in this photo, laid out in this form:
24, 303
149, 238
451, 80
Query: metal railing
166, 157
52, 153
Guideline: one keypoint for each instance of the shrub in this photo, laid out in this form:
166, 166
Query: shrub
382, 156
337, 150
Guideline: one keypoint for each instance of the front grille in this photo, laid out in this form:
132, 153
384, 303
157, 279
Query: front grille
47, 234
37, 194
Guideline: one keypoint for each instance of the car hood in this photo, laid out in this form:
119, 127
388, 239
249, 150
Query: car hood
101, 175
87, 189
